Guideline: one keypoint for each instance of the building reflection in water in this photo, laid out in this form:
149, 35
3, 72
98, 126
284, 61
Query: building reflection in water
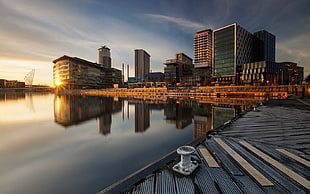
142, 117
71, 110
179, 113
12, 96
206, 116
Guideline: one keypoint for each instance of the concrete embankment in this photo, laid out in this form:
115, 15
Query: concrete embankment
200, 92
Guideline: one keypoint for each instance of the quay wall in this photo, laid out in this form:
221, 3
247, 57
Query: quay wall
281, 91
31, 89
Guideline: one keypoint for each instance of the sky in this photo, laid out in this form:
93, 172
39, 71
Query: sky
33, 33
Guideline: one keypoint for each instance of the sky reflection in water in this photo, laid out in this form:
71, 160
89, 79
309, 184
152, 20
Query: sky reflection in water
74, 144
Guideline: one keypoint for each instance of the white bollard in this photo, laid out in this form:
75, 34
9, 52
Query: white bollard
185, 166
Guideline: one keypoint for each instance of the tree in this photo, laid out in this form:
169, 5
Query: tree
307, 79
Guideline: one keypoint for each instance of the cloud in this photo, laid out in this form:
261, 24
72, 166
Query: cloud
183, 23
42, 35
294, 49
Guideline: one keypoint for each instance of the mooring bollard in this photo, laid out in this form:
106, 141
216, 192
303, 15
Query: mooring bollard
186, 166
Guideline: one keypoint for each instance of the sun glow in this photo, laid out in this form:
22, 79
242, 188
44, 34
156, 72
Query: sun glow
58, 83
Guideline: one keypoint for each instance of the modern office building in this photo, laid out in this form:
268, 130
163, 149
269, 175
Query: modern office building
104, 57
232, 47
290, 73
76, 73
272, 73
142, 63
260, 73
264, 46
203, 49
179, 70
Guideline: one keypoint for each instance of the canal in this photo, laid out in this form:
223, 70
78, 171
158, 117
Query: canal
82, 144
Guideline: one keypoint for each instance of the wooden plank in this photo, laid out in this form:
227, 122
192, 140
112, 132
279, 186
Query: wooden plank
293, 156
208, 157
248, 167
304, 182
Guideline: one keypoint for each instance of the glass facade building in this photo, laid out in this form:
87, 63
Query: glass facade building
264, 46
232, 47
224, 51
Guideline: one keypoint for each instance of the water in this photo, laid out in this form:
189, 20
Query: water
79, 144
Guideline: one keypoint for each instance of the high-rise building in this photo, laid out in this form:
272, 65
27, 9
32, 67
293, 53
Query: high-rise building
142, 63
104, 57
264, 46
233, 46
203, 49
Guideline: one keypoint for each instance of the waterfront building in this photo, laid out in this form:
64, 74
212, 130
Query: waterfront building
76, 73
291, 73
264, 46
179, 70
260, 73
2, 81
142, 63
272, 73
156, 77
116, 76
104, 57
232, 47
11, 84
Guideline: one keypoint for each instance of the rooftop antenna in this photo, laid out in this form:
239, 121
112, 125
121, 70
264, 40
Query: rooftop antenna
29, 78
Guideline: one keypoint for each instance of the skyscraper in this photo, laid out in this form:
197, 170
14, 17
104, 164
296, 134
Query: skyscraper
142, 63
264, 46
232, 47
203, 49
104, 57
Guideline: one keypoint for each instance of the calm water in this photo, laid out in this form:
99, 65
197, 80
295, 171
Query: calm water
76, 144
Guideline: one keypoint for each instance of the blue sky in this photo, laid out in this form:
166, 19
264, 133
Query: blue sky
35, 32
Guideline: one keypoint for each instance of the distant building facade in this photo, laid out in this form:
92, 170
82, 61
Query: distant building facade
104, 57
156, 77
179, 70
11, 84
142, 63
272, 73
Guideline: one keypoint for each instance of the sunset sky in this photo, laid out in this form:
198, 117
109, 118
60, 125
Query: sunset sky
35, 32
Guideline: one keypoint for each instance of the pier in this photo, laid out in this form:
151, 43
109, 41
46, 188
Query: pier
265, 150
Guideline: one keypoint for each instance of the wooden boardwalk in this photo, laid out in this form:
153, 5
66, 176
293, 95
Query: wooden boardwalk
264, 151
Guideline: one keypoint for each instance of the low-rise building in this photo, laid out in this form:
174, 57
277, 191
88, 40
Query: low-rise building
77, 73
11, 84
271, 73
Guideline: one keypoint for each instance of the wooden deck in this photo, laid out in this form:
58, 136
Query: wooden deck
264, 151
